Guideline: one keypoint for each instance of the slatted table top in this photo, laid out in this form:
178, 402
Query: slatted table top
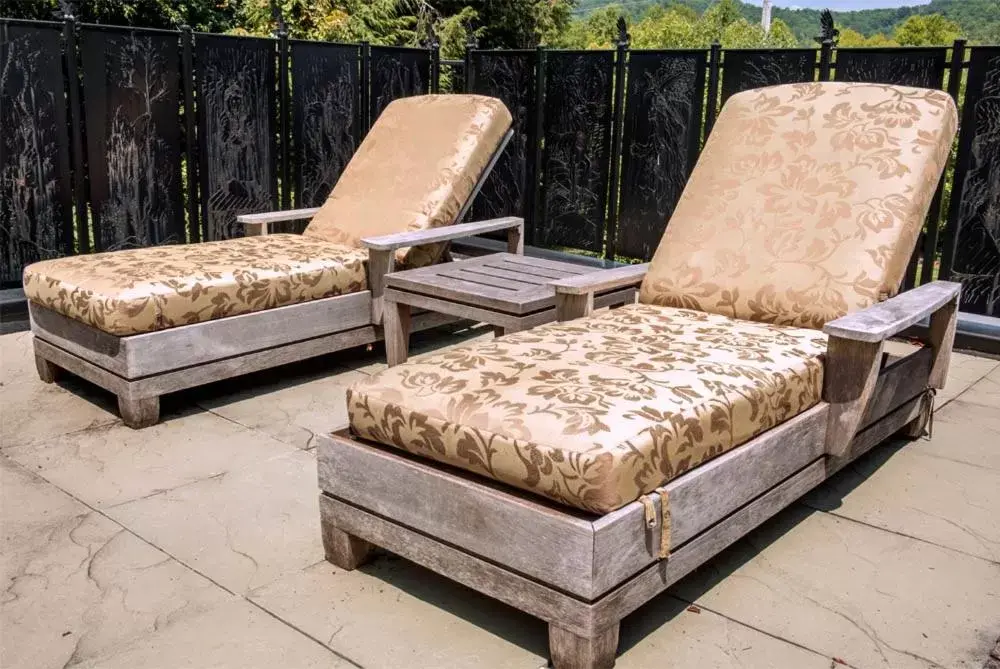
513, 284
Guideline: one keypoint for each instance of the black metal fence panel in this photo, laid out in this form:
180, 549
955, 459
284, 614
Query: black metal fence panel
663, 110
236, 113
36, 219
131, 91
922, 67
326, 123
976, 194
577, 130
509, 76
397, 72
744, 69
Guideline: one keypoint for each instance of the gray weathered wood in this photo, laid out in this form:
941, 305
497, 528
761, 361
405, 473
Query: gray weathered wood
259, 224
596, 282
468, 311
481, 575
659, 576
342, 549
47, 372
515, 240
380, 265
139, 413
397, 332
885, 319
942, 340
850, 376
570, 306
876, 433
705, 495
572, 651
79, 339
526, 534
399, 240
899, 381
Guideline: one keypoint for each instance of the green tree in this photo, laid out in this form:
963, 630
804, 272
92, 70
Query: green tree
203, 15
930, 30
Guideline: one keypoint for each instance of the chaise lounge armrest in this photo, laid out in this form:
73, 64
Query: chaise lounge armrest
575, 294
400, 240
887, 319
257, 224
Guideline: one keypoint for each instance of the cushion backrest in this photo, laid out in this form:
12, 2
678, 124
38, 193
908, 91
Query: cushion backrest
415, 169
806, 202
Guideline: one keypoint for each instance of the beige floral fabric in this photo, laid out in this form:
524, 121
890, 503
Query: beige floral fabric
414, 170
806, 202
595, 412
141, 290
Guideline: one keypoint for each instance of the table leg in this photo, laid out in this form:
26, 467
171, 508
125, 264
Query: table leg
396, 328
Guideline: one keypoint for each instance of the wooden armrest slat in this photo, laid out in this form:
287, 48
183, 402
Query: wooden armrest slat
415, 237
881, 321
595, 282
276, 216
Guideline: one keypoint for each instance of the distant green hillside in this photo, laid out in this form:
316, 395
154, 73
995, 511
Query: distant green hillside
980, 19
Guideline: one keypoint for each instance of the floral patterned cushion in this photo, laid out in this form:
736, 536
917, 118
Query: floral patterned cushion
595, 412
806, 202
414, 170
141, 290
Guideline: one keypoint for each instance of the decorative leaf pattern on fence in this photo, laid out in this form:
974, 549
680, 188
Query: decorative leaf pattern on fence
977, 258
921, 67
663, 108
577, 141
509, 76
744, 69
326, 119
397, 72
131, 85
236, 104
35, 208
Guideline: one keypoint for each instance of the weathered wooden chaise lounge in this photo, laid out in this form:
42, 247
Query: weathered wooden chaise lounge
578, 469
145, 322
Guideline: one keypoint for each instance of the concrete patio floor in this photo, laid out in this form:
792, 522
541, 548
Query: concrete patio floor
195, 543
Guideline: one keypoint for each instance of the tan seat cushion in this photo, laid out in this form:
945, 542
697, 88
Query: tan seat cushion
414, 170
595, 412
806, 202
141, 290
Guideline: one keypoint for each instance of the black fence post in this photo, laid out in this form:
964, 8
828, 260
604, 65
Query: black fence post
470, 46
76, 134
366, 57
826, 60
435, 49
950, 237
536, 183
617, 129
712, 103
190, 138
284, 107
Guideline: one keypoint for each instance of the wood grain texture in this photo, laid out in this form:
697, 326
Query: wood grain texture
400, 240
885, 319
572, 651
659, 576
396, 328
515, 240
942, 339
342, 549
380, 264
705, 495
47, 372
78, 338
268, 217
486, 577
139, 413
876, 433
596, 282
570, 306
527, 535
849, 379
899, 381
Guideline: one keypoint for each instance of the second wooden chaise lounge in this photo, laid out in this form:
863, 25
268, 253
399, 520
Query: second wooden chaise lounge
578, 469
145, 322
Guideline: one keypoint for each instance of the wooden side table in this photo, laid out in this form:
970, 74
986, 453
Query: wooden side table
510, 292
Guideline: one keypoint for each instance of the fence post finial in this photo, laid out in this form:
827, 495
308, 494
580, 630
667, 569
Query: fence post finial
828, 30
624, 38
281, 28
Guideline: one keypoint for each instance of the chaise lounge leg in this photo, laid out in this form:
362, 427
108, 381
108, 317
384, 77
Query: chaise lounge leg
140, 413
570, 651
47, 371
344, 550
917, 427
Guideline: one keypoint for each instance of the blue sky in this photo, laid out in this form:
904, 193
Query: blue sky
844, 5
